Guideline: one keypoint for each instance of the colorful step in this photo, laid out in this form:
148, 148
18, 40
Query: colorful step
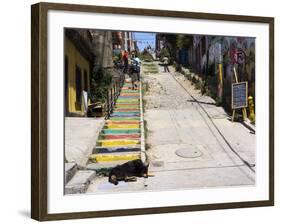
133, 148
109, 157
130, 94
119, 140
126, 109
121, 126
127, 104
120, 131
129, 90
123, 142
128, 97
127, 101
122, 136
129, 113
125, 118
129, 87
124, 115
122, 122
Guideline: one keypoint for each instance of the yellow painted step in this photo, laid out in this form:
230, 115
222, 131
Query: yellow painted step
122, 122
126, 126
123, 142
114, 157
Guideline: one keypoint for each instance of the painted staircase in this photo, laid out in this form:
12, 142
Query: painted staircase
120, 139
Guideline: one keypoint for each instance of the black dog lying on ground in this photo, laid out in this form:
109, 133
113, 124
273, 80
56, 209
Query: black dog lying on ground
128, 171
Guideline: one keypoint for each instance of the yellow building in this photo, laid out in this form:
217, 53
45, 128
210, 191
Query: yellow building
77, 67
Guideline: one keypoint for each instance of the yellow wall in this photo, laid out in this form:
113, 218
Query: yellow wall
75, 59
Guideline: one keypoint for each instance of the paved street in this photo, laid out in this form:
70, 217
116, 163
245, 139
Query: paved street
191, 143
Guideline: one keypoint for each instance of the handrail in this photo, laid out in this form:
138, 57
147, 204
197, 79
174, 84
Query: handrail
114, 92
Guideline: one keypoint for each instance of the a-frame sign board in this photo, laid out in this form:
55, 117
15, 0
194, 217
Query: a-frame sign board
239, 96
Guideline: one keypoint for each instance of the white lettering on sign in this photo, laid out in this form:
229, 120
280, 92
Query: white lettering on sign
239, 95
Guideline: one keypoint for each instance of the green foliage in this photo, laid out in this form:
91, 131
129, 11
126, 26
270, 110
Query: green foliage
164, 53
178, 67
150, 68
194, 80
203, 87
146, 56
183, 41
218, 101
100, 82
187, 75
117, 58
226, 59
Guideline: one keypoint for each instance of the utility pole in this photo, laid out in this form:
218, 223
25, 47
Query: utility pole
125, 41
220, 78
207, 60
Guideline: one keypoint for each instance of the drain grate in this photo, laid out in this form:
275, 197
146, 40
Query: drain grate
193, 152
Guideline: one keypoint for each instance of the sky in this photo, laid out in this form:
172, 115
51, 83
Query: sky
144, 39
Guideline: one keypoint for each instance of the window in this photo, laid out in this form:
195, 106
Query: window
86, 80
78, 84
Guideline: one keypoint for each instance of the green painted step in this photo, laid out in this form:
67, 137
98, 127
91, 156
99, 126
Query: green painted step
130, 90
120, 131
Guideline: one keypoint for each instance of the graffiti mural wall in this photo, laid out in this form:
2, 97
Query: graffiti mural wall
238, 52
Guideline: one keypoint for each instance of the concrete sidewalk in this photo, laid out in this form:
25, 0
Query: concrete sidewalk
80, 138
240, 137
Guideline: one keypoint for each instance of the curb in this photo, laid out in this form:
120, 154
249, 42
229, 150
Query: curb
80, 182
70, 169
248, 125
143, 154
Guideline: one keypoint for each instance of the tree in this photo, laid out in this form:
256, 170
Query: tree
100, 82
183, 41
164, 53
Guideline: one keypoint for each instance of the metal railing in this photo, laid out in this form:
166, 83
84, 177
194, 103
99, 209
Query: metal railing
114, 92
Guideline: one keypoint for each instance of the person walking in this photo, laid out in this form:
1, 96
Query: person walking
137, 63
133, 72
125, 61
166, 64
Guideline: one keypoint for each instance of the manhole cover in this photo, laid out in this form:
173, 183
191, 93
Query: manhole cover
189, 153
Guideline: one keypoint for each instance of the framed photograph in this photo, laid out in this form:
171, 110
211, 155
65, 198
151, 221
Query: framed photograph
139, 111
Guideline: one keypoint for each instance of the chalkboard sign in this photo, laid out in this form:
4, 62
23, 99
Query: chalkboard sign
239, 95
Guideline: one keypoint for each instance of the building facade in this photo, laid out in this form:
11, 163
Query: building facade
78, 60
83, 50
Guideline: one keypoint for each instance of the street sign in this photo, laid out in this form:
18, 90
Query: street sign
239, 97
